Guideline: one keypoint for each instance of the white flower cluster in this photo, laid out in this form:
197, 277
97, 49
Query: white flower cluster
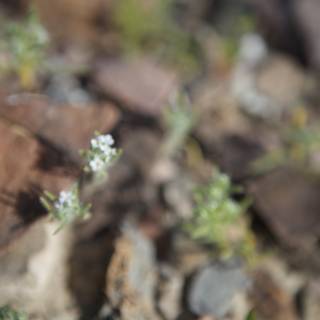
101, 153
102, 142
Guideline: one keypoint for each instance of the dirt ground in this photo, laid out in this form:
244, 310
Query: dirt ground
193, 93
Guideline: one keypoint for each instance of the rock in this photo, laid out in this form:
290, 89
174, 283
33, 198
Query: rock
308, 19
178, 196
170, 293
312, 300
260, 81
292, 26
139, 84
270, 300
189, 256
131, 276
273, 77
236, 154
66, 127
278, 23
250, 99
214, 288
22, 179
253, 50
34, 269
76, 21
66, 89
289, 203
163, 170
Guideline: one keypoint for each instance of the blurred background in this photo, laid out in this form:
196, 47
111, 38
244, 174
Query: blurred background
212, 210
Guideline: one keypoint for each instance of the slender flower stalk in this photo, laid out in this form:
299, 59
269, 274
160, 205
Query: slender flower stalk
66, 207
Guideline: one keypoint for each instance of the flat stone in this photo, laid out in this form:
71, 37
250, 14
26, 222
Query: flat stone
289, 204
34, 269
66, 127
271, 301
139, 84
272, 80
214, 287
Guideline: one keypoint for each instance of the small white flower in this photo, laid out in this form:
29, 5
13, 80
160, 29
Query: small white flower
102, 142
94, 143
65, 196
96, 164
106, 139
110, 153
65, 200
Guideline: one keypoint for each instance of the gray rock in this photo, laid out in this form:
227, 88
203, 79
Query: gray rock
131, 276
214, 287
66, 89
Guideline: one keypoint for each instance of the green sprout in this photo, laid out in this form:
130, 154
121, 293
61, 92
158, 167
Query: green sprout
180, 119
149, 26
217, 216
66, 207
7, 313
24, 43
251, 315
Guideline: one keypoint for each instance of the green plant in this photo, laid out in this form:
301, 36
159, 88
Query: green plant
67, 207
24, 43
251, 315
148, 25
217, 216
7, 313
179, 119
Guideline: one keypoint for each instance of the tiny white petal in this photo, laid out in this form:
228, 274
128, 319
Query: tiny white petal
94, 143
96, 164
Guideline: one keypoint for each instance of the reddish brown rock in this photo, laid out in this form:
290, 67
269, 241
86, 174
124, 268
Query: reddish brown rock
289, 203
139, 84
22, 180
66, 127
270, 300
